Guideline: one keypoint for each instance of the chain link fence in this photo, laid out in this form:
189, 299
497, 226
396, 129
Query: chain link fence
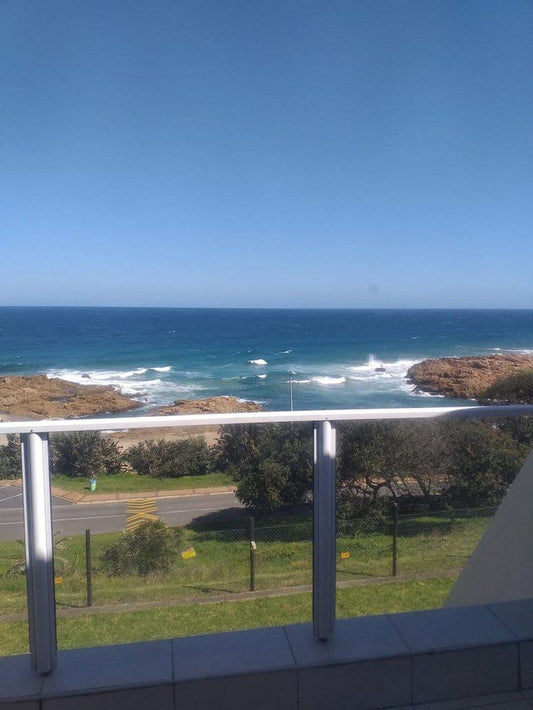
257, 557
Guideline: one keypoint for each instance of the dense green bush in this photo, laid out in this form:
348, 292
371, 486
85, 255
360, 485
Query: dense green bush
171, 459
10, 458
272, 464
84, 454
484, 460
151, 548
515, 389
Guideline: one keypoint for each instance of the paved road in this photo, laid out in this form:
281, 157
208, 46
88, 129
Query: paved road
71, 519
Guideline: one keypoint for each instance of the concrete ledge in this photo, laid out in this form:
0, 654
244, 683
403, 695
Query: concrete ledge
403, 660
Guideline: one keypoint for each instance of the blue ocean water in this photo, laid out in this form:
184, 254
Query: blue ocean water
158, 355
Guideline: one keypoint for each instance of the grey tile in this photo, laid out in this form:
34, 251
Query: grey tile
131, 664
257, 650
439, 629
479, 701
526, 664
381, 683
517, 616
157, 698
358, 639
465, 673
260, 691
18, 680
516, 705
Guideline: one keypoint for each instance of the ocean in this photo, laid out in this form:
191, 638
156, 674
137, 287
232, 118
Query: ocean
158, 355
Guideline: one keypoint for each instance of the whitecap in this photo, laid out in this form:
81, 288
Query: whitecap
261, 377
166, 368
259, 361
327, 381
285, 352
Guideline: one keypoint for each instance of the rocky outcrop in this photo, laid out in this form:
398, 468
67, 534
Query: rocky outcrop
40, 397
209, 405
465, 377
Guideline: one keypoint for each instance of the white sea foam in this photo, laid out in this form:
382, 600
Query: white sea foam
261, 377
327, 381
259, 362
165, 368
131, 383
285, 352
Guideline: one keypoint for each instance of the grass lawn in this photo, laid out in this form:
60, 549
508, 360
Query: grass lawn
126, 482
101, 629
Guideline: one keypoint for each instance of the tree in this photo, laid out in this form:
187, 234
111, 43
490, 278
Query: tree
398, 459
272, 465
10, 458
85, 454
484, 462
171, 459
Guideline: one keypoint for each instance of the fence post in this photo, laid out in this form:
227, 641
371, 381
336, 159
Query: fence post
39, 552
253, 548
324, 543
89, 567
394, 538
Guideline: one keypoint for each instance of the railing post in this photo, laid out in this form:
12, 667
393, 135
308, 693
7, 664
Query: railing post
324, 543
39, 552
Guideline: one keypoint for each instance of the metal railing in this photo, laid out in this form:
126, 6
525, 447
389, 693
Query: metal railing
38, 510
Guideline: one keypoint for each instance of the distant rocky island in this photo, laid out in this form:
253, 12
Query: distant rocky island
466, 377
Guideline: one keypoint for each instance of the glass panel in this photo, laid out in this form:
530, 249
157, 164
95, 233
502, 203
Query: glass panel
414, 499
172, 553
13, 616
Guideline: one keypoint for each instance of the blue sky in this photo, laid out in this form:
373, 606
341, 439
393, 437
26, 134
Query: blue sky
303, 154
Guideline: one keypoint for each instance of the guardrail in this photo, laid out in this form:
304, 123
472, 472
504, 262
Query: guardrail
38, 508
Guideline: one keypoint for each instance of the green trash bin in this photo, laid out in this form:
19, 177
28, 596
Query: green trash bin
92, 484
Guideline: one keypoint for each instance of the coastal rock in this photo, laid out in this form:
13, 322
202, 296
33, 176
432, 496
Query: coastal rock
40, 397
209, 405
465, 377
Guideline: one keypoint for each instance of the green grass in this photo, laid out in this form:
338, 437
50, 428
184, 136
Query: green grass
132, 482
222, 562
426, 543
102, 629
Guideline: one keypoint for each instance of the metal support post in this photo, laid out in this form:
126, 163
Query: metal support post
324, 543
39, 552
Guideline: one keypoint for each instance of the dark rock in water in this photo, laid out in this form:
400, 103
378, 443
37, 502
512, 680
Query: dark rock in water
380, 369
86, 377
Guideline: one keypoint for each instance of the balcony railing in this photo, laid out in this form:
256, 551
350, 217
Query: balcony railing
38, 509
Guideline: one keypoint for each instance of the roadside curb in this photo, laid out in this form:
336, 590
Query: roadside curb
124, 496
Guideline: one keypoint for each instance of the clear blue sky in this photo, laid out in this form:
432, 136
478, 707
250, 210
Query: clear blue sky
260, 153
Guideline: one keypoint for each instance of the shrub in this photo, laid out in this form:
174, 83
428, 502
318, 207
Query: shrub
85, 454
10, 458
171, 459
515, 389
149, 549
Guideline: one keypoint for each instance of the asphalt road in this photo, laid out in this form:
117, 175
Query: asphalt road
74, 519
